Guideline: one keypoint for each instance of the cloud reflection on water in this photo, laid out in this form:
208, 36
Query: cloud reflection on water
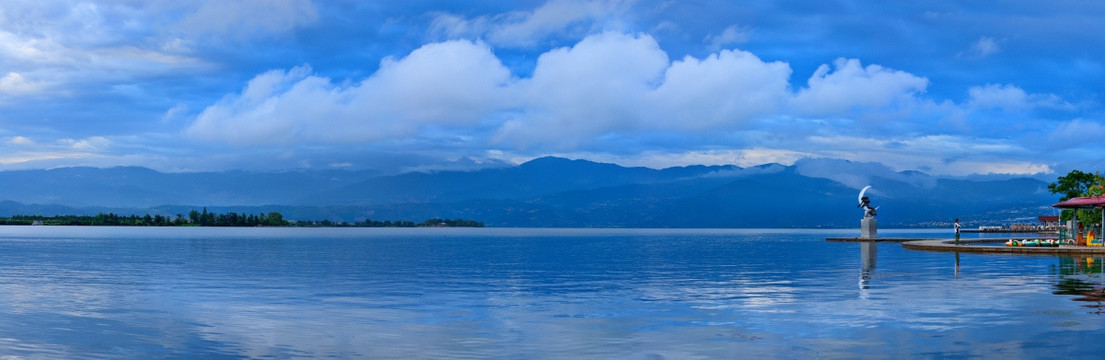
637, 296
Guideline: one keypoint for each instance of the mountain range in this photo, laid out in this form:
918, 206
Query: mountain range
547, 192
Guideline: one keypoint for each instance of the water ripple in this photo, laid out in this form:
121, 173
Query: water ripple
525, 293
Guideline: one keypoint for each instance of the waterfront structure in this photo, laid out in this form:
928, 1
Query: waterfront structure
1084, 202
868, 225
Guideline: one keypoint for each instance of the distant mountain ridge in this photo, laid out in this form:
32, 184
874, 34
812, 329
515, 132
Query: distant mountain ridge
536, 178
545, 192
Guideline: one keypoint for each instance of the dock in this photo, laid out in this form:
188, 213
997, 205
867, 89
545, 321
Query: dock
978, 246
1010, 231
982, 246
878, 239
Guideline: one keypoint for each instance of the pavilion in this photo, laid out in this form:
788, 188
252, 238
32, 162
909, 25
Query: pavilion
1084, 202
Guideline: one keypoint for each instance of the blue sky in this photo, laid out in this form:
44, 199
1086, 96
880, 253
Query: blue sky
944, 87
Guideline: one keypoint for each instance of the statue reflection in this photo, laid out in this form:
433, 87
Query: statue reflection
1083, 278
956, 264
868, 254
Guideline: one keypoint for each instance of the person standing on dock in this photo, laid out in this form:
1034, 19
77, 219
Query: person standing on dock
957, 231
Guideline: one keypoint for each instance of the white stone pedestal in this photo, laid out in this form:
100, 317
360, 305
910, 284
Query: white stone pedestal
868, 228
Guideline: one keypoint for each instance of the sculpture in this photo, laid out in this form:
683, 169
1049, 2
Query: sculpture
865, 203
868, 225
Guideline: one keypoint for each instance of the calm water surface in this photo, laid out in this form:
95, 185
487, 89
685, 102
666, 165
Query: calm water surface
79, 292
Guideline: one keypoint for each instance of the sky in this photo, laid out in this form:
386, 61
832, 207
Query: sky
944, 87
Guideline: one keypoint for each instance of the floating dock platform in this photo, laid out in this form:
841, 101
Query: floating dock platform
984, 246
881, 239
979, 246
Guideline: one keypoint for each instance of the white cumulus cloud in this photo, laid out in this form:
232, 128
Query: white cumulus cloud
608, 86
592, 88
620, 85
848, 85
1011, 98
452, 83
723, 90
609, 96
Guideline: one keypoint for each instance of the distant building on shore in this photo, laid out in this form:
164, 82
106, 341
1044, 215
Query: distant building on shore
1046, 223
1049, 221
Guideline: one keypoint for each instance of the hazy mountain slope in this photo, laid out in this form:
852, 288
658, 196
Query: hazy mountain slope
535, 178
543, 192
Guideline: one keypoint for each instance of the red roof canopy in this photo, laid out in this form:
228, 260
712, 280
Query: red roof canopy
1082, 202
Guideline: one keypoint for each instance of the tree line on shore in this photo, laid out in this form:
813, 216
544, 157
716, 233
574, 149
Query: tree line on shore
230, 219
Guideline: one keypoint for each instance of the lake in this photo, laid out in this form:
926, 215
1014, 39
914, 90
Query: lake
433, 293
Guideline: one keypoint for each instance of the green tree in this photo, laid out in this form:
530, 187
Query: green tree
274, 219
1076, 184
